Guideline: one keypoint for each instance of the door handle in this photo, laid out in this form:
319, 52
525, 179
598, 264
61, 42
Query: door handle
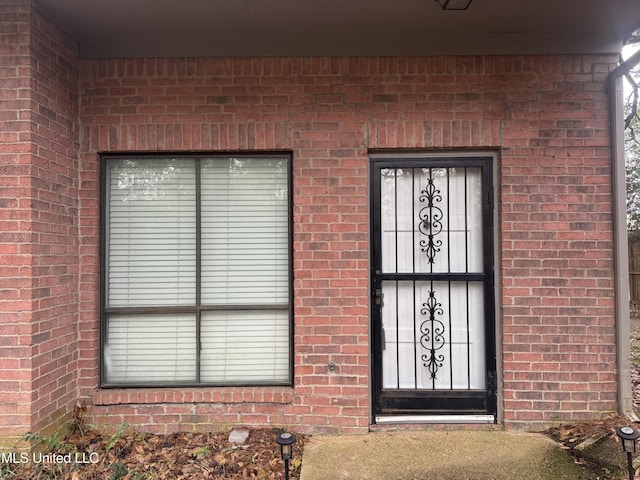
379, 297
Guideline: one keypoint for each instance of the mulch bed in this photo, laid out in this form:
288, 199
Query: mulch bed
573, 434
131, 455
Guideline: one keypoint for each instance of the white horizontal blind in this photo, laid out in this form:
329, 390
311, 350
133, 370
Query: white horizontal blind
152, 223
245, 346
245, 239
245, 250
151, 348
151, 234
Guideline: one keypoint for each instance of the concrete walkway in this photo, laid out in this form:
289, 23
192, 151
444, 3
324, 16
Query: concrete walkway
428, 455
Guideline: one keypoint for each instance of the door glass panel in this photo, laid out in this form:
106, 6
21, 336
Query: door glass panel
433, 335
431, 220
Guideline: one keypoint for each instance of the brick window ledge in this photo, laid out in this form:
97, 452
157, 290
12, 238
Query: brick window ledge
128, 396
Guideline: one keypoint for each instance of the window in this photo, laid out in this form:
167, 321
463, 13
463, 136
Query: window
196, 266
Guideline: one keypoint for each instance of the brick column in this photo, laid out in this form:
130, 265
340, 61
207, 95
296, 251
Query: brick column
38, 222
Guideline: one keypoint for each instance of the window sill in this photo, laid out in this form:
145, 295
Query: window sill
127, 396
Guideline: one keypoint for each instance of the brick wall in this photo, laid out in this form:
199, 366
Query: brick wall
38, 222
15, 261
545, 115
55, 200
558, 306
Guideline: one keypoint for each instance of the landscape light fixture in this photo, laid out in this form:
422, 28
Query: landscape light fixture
286, 441
454, 4
628, 437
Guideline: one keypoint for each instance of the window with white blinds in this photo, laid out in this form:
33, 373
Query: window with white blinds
151, 232
245, 240
196, 262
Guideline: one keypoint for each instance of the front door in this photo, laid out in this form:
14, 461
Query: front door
432, 282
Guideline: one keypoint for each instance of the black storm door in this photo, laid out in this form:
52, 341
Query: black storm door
432, 283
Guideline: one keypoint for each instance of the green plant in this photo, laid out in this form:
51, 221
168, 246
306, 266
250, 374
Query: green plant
49, 443
204, 451
119, 470
7, 470
116, 436
44, 445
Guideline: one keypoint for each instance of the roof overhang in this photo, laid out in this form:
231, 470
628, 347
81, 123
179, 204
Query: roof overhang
126, 28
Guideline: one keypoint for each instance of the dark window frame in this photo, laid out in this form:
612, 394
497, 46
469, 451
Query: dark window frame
197, 308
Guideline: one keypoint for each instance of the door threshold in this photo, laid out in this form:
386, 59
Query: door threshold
398, 419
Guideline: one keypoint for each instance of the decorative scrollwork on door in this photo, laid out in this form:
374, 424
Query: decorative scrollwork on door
432, 334
430, 217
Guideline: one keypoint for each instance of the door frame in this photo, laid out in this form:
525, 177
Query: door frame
457, 412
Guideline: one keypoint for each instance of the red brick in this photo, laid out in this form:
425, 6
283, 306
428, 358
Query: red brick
43, 232
555, 223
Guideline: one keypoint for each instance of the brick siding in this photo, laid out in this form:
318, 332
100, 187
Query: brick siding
39, 202
545, 116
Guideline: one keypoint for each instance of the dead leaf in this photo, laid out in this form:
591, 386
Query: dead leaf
183, 455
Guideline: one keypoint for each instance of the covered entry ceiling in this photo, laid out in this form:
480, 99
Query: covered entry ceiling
105, 28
